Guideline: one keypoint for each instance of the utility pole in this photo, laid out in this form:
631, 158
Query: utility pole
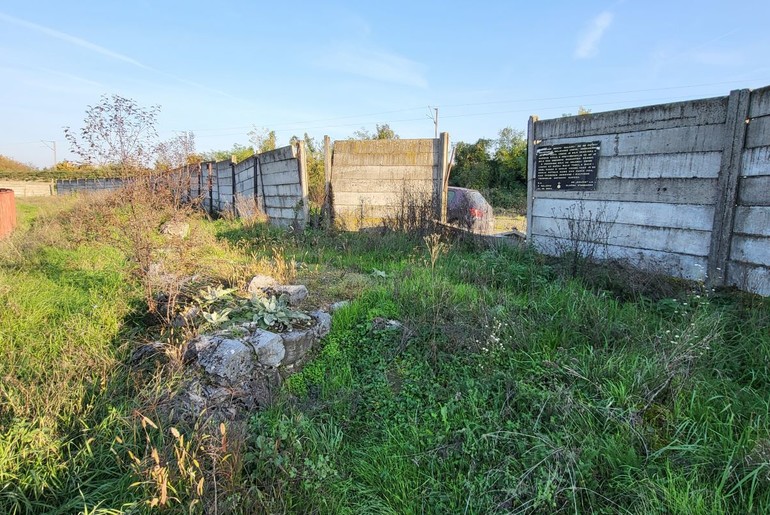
434, 116
52, 146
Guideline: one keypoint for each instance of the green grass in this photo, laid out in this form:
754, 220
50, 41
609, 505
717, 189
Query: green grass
508, 388
522, 392
64, 399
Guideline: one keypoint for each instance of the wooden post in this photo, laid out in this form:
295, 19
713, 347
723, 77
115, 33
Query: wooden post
727, 186
531, 142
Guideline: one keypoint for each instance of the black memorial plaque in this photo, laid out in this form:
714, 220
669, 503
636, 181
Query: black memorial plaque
570, 166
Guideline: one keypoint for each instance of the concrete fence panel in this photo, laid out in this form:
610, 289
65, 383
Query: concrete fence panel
680, 188
369, 178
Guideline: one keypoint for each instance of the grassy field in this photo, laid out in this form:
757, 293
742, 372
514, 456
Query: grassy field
507, 386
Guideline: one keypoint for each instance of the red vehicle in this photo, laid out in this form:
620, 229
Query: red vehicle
469, 210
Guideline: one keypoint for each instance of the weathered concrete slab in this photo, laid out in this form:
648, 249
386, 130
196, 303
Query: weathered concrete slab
676, 264
694, 165
759, 105
751, 249
670, 191
758, 132
665, 239
754, 191
753, 220
663, 116
680, 216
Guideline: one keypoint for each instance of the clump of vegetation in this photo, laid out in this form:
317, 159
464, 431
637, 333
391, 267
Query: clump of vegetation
8, 165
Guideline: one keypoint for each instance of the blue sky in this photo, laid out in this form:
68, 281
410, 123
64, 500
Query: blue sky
221, 68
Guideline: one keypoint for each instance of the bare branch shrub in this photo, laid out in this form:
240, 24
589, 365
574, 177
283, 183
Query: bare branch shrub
249, 211
585, 238
411, 212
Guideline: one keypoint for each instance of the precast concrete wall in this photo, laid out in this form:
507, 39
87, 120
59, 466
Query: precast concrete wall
749, 251
370, 178
28, 188
677, 188
69, 186
273, 182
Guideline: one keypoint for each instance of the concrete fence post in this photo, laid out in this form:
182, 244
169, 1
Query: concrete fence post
328, 207
303, 182
727, 186
255, 179
440, 179
211, 189
234, 187
530, 173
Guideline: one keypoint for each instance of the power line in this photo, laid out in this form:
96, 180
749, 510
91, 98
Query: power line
528, 110
300, 125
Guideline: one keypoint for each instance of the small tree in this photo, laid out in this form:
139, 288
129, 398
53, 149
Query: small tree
382, 132
262, 139
116, 132
176, 152
315, 168
240, 152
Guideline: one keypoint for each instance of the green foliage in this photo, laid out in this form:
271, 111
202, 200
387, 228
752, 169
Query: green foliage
10, 165
63, 170
64, 398
274, 313
240, 152
314, 162
509, 389
262, 139
381, 132
499, 164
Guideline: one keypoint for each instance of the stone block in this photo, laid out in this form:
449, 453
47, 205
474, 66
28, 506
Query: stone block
269, 347
296, 293
297, 343
229, 359
258, 284
323, 323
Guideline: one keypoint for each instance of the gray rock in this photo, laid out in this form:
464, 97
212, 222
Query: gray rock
175, 228
296, 293
232, 360
323, 325
258, 284
338, 305
297, 343
269, 347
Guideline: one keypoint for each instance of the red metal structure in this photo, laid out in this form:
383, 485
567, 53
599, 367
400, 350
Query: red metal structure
7, 212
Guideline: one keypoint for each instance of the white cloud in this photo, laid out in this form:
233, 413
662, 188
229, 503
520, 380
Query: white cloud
377, 65
71, 39
588, 44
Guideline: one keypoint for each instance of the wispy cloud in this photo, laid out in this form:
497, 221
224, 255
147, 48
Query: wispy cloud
74, 40
588, 44
71, 39
376, 65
